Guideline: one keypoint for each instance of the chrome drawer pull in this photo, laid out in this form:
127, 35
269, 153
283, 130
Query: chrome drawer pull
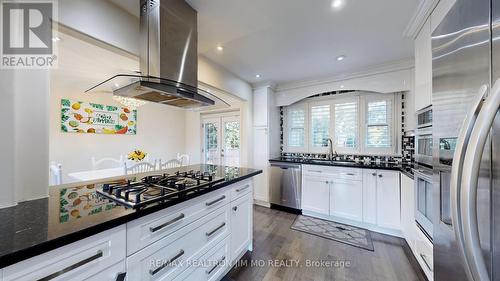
208, 234
156, 270
241, 189
73, 266
426, 263
216, 200
216, 265
351, 174
158, 227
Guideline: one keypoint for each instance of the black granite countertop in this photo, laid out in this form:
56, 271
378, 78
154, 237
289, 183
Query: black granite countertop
404, 168
76, 211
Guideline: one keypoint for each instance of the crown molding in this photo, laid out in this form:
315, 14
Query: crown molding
418, 19
369, 71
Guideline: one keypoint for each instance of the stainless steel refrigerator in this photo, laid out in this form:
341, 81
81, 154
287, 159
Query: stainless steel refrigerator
466, 137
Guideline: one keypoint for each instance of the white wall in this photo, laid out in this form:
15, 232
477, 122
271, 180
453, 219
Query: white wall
160, 128
102, 20
382, 82
7, 190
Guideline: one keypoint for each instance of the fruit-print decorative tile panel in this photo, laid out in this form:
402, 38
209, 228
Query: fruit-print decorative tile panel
92, 118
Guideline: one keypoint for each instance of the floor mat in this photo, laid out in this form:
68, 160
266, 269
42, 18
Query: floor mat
343, 233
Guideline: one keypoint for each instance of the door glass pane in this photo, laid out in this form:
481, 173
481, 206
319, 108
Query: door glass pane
231, 143
211, 144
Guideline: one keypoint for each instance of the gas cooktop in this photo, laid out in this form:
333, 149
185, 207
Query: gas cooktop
157, 188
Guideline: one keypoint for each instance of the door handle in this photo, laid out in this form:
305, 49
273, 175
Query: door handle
456, 171
470, 176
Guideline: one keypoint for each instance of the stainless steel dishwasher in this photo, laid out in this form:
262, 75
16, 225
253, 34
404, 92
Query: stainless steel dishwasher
285, 185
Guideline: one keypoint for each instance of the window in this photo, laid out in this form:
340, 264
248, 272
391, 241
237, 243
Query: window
296, 119
320, 125
378, 123
346, 125
358, 123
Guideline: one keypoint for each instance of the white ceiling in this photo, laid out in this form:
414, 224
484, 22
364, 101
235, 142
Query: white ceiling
294, 40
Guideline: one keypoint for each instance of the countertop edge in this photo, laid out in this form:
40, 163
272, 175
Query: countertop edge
41, 248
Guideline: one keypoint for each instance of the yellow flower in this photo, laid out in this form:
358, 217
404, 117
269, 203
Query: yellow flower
137, 155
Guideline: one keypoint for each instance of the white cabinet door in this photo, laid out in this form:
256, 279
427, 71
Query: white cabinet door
241, 225
316, 194
370, 196
423, 67
346, 199
260, 107
388, 199
408, 210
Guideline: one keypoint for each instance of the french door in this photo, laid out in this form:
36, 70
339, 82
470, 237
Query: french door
221, 140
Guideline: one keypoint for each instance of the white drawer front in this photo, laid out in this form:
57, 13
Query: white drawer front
144, 231
76, 261
337, 172
171, 255
241, 189
212, 266
424, 252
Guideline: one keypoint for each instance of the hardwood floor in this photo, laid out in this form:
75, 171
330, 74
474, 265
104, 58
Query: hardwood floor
275, 241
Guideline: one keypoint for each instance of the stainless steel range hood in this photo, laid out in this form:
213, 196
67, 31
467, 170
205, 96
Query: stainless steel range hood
168, 59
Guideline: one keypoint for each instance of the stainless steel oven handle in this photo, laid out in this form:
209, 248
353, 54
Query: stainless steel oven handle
470, 176
456, 171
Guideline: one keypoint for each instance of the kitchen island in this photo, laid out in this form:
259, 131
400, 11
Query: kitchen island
78, 234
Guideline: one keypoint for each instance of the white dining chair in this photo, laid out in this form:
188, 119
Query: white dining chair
183, 158
142, 167
55, 173
106, 162
174, 163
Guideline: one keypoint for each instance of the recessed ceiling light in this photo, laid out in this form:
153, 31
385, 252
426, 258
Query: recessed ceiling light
340, 58
338, 4
220, 48
55, 39
257, 76
342, 86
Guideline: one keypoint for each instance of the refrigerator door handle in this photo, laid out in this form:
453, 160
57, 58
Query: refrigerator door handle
470, 175
456, 170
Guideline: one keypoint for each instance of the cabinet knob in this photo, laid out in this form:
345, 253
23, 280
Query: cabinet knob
235, 208
327, 182
374, 174
379, 176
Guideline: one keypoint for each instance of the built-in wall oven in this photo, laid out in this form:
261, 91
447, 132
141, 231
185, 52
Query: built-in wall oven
423, 137
423, 199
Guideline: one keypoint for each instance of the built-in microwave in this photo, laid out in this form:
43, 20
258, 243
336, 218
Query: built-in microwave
423, 137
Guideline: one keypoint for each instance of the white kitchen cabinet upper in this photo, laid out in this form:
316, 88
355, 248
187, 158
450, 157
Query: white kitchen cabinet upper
346, 199
261, 103
423, 68
316, 194
241, 225
388, 199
